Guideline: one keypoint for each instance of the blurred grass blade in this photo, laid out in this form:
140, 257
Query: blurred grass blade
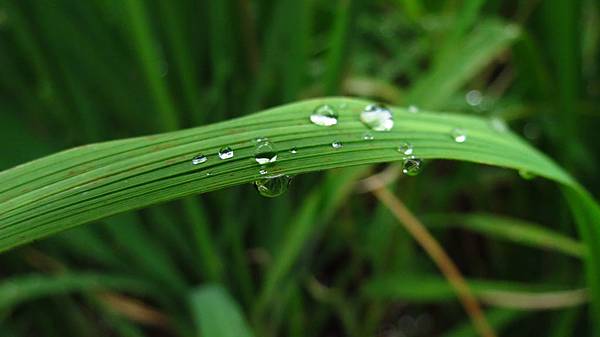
460, 64
29, 287
513, 295
217, 314
510, 229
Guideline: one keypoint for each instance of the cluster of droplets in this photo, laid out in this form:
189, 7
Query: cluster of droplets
376, 117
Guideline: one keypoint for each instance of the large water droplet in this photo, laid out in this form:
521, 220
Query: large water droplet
273, 186
459, 135
265, 153
405, 148
413, 109
199, 159
412, 166
225, 153
324, 115
337, 144
377, 117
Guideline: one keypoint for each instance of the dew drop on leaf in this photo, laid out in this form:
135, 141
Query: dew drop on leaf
265, 152
199, 159
526, 175
336, 144
377, 117
498, 124
412, 166
225, 153
405, 148
273, 186
324, 115
459, 135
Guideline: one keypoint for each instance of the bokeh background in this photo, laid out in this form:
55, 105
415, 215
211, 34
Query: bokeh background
324, 259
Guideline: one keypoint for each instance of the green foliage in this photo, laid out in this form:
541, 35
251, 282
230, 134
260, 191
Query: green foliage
321, 260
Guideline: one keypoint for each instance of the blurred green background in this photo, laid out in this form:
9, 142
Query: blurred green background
322, 260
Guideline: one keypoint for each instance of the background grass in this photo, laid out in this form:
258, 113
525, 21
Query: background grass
74, 72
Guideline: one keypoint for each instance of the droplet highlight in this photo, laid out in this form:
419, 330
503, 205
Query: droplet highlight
274, 186
199, 159
225, 153
324, 115
459, 135
368, 136
294, 150
377, 117
337, 144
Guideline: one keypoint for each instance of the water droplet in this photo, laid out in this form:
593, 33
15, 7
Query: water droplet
526, 175
413, 109
273, 186
261, 139
474, 97
199, 159
337, 144
294, 150
405, 148
368, 136
208, 174
459, 135
225, 153
377, 117
265, 153
412, 166
324, 115
498, 124
262, 172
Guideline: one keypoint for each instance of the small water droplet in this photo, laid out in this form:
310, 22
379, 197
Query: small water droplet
459, 135
405, 148
324, 115
413, 109
336, 144
412, 166
377, 117
262, 172
208, 174
368, 136
474, 97
294, 150
225, 153
261, 139
199, 159
265, 153
526, 175
498, 124
273, 186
